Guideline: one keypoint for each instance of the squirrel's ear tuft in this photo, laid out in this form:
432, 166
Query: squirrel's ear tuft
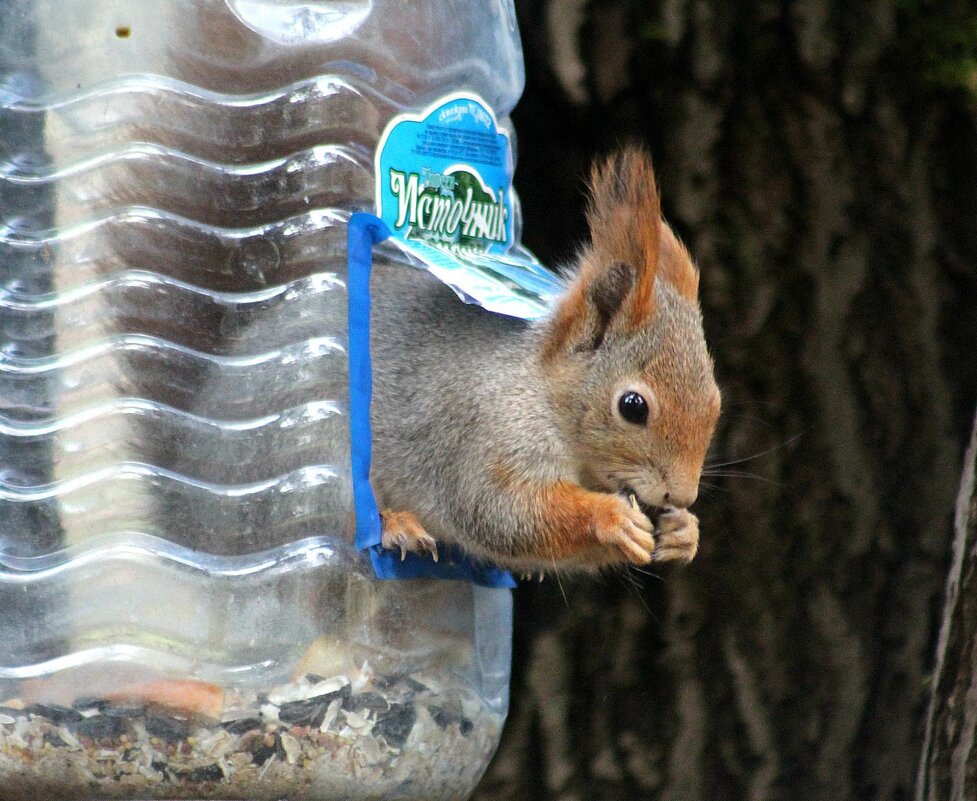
615, 284
625, 221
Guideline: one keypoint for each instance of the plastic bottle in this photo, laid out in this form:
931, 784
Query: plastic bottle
182, 610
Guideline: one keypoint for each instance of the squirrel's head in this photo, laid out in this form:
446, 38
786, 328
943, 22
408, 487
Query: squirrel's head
624, 349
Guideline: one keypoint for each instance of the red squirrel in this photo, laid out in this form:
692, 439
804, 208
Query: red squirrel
574, 442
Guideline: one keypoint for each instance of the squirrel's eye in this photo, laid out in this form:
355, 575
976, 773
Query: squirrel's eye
633, 408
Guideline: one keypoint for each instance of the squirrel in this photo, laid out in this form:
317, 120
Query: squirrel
572, 443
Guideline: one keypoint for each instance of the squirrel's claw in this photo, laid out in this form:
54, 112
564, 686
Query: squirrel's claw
402, 530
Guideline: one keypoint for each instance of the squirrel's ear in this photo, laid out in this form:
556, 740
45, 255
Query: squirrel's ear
590, 308
615, 285
609, 289
625, 220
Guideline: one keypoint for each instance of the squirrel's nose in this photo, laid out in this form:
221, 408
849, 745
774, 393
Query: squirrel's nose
682, 497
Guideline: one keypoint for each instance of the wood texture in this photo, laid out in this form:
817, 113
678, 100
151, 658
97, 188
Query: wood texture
948, 769
823, 174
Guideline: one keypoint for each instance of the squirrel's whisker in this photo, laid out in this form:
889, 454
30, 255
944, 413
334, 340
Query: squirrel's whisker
740, 474
783, 444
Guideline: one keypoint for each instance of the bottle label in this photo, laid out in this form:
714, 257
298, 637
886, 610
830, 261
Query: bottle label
444, 189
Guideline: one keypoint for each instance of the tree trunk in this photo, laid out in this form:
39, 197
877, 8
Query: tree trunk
819, 159
949, 765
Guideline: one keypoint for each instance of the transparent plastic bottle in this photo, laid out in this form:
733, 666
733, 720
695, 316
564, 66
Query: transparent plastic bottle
182, 611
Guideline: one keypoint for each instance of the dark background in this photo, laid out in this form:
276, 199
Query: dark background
819, 159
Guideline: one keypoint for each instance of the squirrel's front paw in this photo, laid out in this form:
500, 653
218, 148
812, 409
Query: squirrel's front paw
676, 535
621, 525
403, 530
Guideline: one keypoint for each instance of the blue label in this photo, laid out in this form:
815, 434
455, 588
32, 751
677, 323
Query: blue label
444, 190
444, 177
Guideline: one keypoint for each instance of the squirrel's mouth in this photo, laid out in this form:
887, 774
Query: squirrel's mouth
650, 511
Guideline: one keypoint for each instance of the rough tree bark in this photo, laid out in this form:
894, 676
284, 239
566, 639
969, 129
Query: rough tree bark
948, 769
819, 157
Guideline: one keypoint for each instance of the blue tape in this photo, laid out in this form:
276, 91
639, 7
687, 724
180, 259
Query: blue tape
365, 231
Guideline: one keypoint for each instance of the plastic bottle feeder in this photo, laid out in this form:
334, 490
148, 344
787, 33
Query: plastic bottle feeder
192, 605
